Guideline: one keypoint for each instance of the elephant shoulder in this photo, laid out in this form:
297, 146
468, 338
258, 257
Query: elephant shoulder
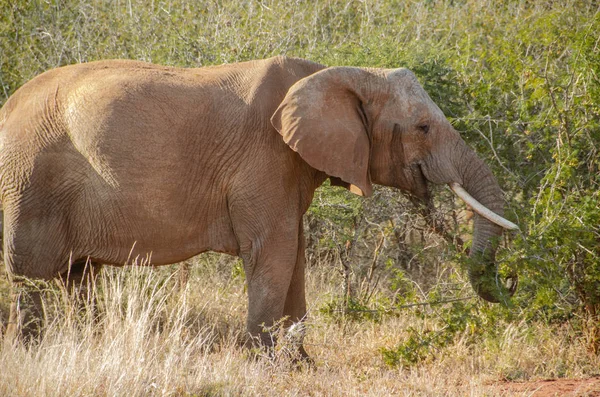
272, 78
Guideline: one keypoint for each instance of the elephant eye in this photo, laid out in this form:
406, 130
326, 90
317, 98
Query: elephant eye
424, 128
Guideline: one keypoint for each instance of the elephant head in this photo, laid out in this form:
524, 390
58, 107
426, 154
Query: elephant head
364, 126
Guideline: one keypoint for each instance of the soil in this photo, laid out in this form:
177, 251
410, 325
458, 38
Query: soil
553, 387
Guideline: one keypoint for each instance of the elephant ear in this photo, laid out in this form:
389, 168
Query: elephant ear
322, 118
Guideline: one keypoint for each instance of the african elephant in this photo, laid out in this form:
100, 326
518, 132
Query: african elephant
111, 160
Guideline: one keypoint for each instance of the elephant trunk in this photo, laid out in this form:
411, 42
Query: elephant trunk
481, 184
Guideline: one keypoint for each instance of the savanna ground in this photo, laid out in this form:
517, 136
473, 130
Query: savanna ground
391, 312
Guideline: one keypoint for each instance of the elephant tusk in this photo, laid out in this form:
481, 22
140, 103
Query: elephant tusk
480, 208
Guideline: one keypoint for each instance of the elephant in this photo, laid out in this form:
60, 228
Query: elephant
106, 161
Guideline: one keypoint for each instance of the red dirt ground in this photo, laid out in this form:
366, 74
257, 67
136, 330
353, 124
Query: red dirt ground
554, 387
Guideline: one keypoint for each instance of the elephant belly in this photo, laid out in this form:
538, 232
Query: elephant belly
158, 233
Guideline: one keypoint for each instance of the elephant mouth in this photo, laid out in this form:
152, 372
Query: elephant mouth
421, 185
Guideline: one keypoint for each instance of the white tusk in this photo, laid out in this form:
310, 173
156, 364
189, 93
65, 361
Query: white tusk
481, 209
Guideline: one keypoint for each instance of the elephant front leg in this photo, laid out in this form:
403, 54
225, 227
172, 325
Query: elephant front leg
295, 302
275, 278
268, 285
270, 268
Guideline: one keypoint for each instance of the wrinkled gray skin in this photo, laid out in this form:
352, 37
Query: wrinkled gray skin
113, 160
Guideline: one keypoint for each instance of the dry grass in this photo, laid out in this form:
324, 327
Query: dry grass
146, 337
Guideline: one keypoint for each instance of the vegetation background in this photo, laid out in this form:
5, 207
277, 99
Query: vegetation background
390, 309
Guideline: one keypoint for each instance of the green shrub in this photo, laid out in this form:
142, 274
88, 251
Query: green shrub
519, 80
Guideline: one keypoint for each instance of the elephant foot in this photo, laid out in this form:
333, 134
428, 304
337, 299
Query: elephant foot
303, 360
282, 347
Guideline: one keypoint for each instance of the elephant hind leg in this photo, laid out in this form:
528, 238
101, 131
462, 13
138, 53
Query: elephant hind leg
26, 311
27, 314
80, 279
78, 284
36, 250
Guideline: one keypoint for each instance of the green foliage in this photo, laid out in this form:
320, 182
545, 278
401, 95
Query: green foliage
557, 183
519, 80
447, 320
333, 209
458, 319
342, 309
402, 286
237, 271
416, 348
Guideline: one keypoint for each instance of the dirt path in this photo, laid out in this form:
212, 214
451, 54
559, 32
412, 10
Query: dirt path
554, 387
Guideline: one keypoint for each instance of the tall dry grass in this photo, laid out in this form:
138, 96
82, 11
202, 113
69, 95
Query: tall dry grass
145, 336
490, 67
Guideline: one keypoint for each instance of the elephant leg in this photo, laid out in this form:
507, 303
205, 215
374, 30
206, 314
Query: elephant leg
295, 302
26, 316
79, 283
269, 268
80, 279
26, 311
276, 292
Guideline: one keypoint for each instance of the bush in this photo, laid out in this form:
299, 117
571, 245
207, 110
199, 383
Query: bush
519, 80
